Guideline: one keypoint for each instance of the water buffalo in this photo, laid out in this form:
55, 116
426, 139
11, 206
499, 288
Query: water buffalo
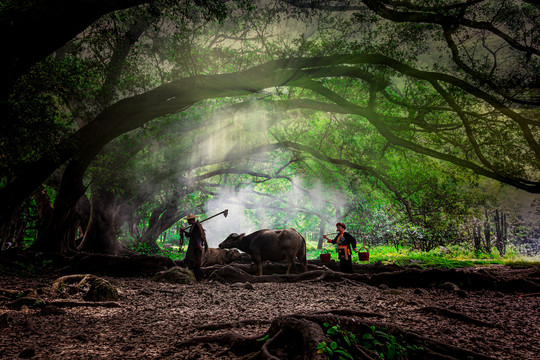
273, 245
215, 256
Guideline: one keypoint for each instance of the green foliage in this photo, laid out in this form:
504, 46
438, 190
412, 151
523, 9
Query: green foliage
372, 174
141, 248
378, 340
385, 345
173, 254
341, 342
43, 110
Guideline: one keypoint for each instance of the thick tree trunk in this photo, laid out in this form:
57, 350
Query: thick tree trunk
477, 237
12, 231
105, 221
159, 222
501, 230
321, 233
44, 205
58, 233
487, 234
133, 228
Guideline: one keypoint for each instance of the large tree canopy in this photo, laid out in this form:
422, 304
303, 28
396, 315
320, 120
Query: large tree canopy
365, 85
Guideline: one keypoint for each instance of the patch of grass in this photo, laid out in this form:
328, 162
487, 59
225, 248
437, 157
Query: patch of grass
532, 261
450, 257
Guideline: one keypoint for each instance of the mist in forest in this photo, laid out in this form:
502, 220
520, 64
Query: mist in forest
237, 221
241, 127
249, 212
229, 130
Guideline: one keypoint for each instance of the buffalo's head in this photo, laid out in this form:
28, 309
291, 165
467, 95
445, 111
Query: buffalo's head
234, 255
232, 241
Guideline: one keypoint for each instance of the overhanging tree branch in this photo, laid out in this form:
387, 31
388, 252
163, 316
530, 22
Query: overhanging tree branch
430, 15
375, 119
133, 112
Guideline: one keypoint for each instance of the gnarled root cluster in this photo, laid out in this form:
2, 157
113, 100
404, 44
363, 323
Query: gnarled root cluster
327, 335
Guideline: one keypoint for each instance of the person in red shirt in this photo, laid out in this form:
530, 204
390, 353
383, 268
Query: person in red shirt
345, 242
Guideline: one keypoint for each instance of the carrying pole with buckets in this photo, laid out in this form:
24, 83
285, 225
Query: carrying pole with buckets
363, 252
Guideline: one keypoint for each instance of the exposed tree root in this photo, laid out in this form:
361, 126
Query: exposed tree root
302, 336
77, 281
39, 303
456, 315
530, 295
350, 312
237, 343
264, 348
219, 326
162, 291
416, 278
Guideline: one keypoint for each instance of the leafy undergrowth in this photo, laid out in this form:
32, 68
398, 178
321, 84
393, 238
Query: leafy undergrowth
378, 341
443, 257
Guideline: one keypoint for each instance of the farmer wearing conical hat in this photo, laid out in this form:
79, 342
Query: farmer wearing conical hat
197, 243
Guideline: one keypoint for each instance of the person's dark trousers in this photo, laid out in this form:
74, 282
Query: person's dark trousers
345, 266
198, 273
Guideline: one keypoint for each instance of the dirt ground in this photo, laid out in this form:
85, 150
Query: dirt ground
150, 320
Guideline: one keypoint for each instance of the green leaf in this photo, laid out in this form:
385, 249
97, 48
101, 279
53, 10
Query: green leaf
333, 345
329, 351
391, 351
343, 354
264, 338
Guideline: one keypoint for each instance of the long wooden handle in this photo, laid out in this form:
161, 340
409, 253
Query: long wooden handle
226, 212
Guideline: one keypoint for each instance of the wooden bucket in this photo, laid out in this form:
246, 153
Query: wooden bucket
363, 255
325, 256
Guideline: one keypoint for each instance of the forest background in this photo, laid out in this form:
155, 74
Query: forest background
415, 123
